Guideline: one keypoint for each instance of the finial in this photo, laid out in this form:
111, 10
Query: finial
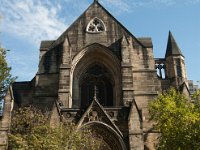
95, 92
95, 1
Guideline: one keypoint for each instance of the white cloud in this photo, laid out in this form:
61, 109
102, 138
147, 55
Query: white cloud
193, 2
165, 2
128, 5
46, 19
36, 20
32, 20
121, 5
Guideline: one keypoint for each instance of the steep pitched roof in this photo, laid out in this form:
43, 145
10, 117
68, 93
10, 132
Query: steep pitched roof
146, 41
95, 4
46, 44
172, 47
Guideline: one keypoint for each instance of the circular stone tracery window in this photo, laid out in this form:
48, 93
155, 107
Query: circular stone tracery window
96, 25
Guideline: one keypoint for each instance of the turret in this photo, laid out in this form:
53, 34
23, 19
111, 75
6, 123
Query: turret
175, 64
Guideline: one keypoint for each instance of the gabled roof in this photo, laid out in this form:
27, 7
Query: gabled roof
46, 44
146, 41
172, 47
94, 4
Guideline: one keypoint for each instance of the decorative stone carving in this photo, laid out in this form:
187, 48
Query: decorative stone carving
68, 115
96, 25
111, 114
95, 112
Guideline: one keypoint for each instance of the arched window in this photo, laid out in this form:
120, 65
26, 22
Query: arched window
96, 25
98, 77
178, 68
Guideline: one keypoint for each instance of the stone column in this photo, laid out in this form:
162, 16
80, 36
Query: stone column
64, 76
136, 141
126, 70
5, 120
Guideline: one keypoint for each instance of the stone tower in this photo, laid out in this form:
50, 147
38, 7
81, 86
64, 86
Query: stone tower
175, 63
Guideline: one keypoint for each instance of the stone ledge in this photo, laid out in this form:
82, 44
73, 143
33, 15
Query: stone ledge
136, 133
140, 93
46, 73
151, 131
143, 70
65, 66
127, 89
63, 91
45, 94
126, 65
4, 129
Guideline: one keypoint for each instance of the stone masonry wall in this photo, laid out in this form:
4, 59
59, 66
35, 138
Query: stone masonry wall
5, 120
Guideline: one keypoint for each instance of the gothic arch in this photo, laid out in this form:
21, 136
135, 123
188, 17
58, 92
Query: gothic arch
95, 54
96, 25
96, 79
107, 133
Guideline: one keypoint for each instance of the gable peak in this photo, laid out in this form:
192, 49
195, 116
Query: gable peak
95, 113
96, 2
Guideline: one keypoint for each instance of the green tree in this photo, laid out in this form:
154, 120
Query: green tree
178, 121
196, 99
5, 76
30, 130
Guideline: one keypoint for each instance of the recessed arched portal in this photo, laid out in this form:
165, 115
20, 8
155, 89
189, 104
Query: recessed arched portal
111, 139
95, 65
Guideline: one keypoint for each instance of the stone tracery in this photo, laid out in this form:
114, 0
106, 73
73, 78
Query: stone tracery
96, 25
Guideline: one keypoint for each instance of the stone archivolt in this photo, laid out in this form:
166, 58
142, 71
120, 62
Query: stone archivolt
102, 126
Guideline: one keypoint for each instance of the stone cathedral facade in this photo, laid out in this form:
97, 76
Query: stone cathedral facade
98, 74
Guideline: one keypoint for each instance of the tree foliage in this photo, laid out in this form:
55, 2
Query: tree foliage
178, 120
196, 100
5, 76
30, 130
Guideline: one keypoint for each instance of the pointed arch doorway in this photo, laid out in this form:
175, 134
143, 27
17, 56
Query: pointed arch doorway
95, 65
111, 140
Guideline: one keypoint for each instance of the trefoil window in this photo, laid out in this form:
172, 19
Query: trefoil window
96, 25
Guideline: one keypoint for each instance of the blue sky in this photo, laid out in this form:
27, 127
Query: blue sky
26, 22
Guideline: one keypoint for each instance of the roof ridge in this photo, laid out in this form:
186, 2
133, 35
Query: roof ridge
61, 37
